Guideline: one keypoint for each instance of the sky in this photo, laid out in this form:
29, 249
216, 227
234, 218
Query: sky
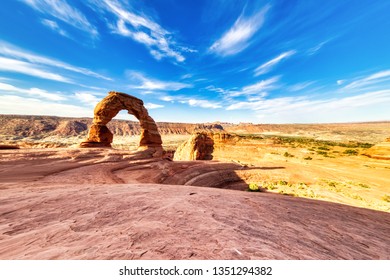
291, 61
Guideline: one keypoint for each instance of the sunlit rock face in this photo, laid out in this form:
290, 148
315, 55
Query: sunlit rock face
100, 136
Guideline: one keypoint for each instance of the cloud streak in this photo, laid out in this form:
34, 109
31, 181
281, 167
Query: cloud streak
12, 51
373, 79
17, 66
237, 38
149, 84
142, 30
269, 65
11, 104
36, 92
61, 10
54, 26
304, 104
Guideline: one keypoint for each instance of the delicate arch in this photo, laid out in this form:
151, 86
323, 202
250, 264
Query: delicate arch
100, 136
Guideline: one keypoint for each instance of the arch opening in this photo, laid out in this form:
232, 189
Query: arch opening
100, 136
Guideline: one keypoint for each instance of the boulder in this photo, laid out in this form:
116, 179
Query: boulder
201, 145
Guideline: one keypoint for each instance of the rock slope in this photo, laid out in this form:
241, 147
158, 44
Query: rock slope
92, 204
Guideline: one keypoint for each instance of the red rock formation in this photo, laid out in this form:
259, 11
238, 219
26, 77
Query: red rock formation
201, 146
100, 136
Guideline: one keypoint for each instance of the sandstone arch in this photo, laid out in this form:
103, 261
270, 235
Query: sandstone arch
100, 136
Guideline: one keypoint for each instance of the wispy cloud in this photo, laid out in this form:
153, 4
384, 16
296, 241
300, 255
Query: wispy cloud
300, 86
61, 10
26, 68
12, 104
267, 66
201, 103
53, 25
373, 79
88, 98
35, 92
258, 88
316, 48
237, 38
146, 83
151, 106
304, 104
142, 29
35, 60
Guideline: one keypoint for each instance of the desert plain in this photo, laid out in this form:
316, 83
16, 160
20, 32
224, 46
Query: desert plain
294, 191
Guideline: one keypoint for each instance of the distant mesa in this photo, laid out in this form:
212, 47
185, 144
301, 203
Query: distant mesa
100, 136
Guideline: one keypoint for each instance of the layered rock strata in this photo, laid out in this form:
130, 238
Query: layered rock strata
100, 136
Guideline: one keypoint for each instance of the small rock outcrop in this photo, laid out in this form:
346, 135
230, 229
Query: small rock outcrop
201, 146
380, 151
100, 136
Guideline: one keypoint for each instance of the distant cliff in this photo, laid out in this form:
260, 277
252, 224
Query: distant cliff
43, 126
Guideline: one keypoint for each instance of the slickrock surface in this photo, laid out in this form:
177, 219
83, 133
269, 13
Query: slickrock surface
97, 204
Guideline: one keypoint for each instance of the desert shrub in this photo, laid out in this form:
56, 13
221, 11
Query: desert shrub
332, 184
323, 153
364, 186
386, 198
323, 148
269, 186
253, 187
287, 154
282, 183
308, 158
351, 152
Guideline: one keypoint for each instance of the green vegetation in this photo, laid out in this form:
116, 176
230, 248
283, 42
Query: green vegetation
386, 198
323, 148
287, 154
364, 186
253, 187
323, 144
351, 152
323, 153
283, 183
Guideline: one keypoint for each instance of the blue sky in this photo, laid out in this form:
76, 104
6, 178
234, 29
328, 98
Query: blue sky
199, 60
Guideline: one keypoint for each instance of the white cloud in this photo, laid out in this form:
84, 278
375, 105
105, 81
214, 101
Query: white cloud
61, 10
11, 104
36, 92
26, 68
12, 51
267, 67
87, 98
156, 85
340, 82
151, 106
167, 98
304, 105
316, 48
373, 79
142, 30
300, 86
237, 37
54, 26
201, 103
258, 88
